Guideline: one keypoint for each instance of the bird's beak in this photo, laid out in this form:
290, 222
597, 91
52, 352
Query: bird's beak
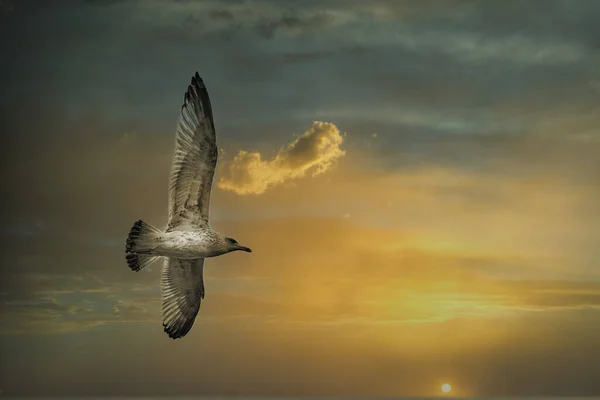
247, 249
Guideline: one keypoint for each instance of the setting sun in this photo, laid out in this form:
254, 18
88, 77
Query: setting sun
446, 388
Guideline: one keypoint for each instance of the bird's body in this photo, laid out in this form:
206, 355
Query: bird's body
190, 244
188, 238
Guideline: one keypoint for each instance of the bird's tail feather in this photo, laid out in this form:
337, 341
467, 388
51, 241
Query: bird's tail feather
137, 261
140, 243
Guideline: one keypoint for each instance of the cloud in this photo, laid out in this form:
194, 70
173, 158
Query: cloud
44, 314
55, 302
6, 5
471, 47
292, 57
391, 278
317, 149
221, 14
291, 21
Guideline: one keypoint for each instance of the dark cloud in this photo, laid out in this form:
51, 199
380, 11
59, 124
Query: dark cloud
191, 20
306, 56
291, 21
300, 368
221, 15
6, 5
107, 2
310, 56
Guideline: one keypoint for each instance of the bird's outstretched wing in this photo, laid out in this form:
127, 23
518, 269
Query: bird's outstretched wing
182, 287
194, 160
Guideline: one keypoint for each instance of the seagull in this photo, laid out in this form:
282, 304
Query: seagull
188, 238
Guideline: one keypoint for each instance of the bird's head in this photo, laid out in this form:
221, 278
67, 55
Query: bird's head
233, 245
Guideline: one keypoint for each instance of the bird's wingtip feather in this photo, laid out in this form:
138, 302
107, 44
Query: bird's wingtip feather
169, 331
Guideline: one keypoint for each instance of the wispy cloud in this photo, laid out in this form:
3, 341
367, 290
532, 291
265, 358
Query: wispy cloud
473, 47
291, 22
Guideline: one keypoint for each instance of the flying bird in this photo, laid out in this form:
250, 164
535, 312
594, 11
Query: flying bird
188, 238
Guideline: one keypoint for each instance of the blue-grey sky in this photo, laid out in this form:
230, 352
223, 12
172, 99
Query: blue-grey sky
438, 224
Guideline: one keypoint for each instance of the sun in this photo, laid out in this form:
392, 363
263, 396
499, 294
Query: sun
446, 388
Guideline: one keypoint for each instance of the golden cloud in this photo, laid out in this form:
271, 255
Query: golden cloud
356, 274
316, 150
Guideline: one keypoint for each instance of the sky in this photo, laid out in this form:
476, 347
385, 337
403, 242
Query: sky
418, 181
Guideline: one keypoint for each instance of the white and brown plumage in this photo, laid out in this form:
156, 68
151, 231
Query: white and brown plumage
188, 238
